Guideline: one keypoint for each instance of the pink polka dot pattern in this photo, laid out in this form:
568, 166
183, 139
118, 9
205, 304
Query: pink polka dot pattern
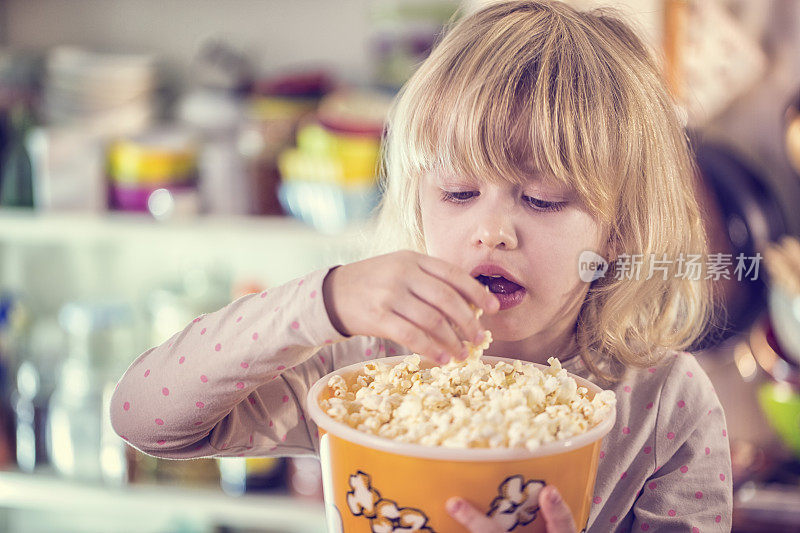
322, 358
159, 422
264, 294
203, 378
285, 399
218, 347
281, 367
392, 351
295, 325
283, 438
255, 336
722, 477
670, 435
147, 372
196, 320
126, 406
671, 512
203, 331
597, 499
647, 450
651, 370
161, 442
270, 423
708, 450
239, 319
165, 391
684, 469
252, 400
602, 454
244, 364
623, 475
328, 341
627, 388
649, 405
652, 485
181, 360
718, 519
301, 282
240, 385
313, 294
724, 433
689, 374
613, 519
368, 352
695, 530
626, 430
200, 405
645, 526
681, 403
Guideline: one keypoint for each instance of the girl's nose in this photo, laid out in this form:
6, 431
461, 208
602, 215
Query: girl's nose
497, 231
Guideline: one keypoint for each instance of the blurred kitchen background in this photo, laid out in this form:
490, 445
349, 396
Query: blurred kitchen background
161, 158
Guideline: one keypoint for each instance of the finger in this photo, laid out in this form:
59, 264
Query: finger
468, 516
451, 304
556, 513
469, 288
431, 321
399, 329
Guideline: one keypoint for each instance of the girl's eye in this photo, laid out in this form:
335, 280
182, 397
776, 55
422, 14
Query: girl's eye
543, 205
459, 197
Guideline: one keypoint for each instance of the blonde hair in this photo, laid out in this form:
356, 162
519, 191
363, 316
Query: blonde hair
527, 84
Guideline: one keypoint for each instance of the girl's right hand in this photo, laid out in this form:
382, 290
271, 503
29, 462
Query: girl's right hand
418, 301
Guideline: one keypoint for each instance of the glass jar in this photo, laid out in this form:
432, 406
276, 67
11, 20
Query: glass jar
81, 442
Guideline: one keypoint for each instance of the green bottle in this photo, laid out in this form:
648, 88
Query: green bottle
16, 171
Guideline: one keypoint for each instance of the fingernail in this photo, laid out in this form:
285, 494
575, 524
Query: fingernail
443, 358
554, 496
454, 506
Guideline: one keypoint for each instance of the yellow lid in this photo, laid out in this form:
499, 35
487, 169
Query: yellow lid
152, 159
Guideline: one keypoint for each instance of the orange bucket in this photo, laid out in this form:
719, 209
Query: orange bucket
372, 483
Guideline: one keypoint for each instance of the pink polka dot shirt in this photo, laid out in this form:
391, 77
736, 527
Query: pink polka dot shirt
234, 382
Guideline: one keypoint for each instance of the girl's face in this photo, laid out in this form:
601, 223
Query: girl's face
532, 236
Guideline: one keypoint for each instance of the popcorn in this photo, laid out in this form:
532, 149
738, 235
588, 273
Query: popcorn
467, 404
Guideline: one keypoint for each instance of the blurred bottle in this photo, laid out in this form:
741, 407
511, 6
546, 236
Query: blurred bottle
16, 181
36, 378
81, 443
213, 107
305, 478
239, 475
274, 112
7, 359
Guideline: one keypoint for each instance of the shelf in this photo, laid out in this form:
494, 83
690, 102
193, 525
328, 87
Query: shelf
30, 227
141, 506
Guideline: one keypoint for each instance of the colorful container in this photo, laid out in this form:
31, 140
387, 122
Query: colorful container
372, 483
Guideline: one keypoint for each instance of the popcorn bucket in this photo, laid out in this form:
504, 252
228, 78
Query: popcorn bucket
374, 484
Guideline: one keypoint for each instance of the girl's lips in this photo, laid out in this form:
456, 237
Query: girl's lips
510, 299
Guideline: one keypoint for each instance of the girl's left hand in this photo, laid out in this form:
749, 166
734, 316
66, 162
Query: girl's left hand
557, 515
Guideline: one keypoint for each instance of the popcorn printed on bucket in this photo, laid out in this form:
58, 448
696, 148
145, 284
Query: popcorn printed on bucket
517, 503
384, 515
467, 404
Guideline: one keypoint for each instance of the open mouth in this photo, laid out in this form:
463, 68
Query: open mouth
499, 284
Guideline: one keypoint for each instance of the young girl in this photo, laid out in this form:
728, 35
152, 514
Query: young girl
532, 136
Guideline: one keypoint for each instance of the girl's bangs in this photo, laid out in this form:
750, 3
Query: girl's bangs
539, 120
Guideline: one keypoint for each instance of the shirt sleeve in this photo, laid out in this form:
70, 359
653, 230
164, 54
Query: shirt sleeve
232, 382
690, 489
